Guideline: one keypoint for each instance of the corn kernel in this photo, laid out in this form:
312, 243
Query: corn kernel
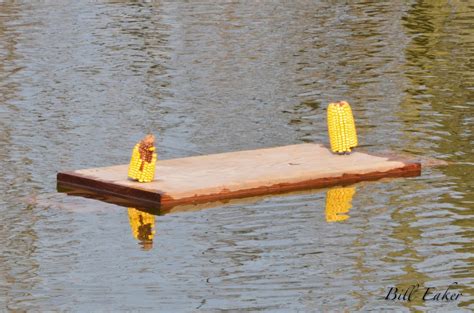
143, 160
341, 127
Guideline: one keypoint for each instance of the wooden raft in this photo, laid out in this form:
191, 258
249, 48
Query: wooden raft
206, 178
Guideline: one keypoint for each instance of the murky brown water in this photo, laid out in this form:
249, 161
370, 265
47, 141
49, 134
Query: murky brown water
81, 83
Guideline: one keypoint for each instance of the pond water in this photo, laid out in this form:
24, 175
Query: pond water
81, 83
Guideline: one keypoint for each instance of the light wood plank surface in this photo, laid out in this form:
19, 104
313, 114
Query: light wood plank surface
241, 173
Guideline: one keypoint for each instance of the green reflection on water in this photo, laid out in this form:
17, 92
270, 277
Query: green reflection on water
322, 52
437, 114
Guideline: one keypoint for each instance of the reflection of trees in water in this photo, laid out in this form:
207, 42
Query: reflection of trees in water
439, 66
407, 258
438, 108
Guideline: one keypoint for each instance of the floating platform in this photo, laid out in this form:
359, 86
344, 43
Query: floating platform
215, 177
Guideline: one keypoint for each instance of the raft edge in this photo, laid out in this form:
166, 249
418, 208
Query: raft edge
163, 201
99, 187
410, 169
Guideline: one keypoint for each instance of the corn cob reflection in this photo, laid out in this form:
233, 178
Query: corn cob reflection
341, 127
143, 226
143, 161
338, 202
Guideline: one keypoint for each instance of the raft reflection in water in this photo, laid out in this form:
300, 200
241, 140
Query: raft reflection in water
143, 227
338, 202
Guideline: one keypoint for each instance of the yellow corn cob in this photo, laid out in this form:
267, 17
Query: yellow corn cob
142, 225
142, 168
341, 127
338, 202
135, 161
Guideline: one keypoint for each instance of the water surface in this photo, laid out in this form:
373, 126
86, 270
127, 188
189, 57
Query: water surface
80, 83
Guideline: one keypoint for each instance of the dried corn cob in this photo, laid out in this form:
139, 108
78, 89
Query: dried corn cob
143, 161
341, 127
142, 225
338, 202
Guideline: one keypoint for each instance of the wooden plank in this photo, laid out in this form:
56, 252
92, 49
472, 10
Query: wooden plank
201, 179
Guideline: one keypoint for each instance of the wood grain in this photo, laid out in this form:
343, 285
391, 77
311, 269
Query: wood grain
239, 174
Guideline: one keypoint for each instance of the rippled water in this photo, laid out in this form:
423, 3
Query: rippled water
80, 83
